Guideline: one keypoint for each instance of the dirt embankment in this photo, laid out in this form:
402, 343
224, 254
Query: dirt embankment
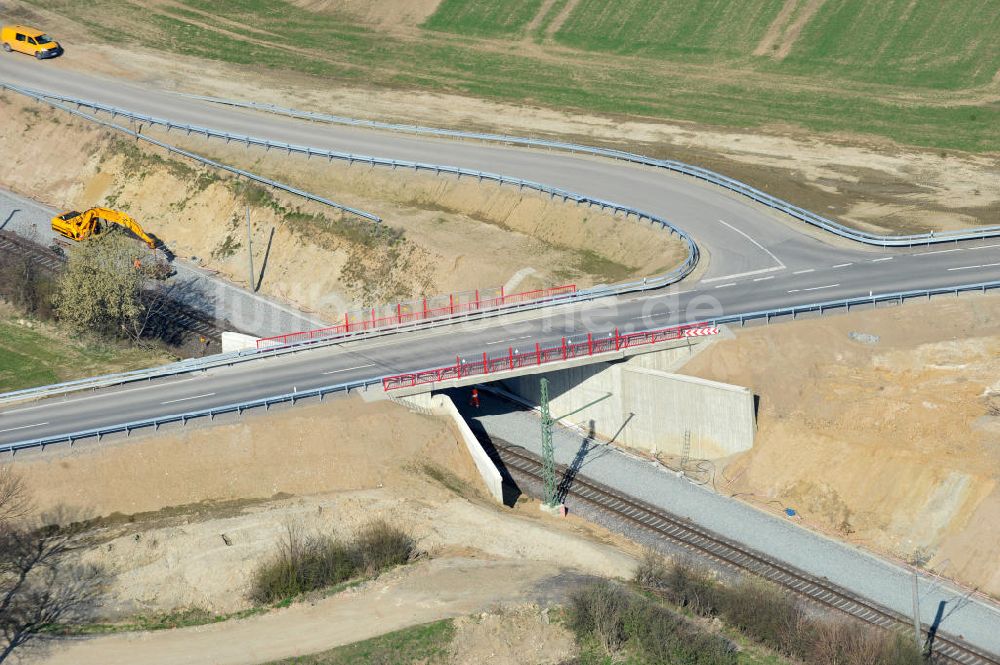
890, 438
440, 235
181, 519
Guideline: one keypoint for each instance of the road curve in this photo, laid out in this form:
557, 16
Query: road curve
757, 259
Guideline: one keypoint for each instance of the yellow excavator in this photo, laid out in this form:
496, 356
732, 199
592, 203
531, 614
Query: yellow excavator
82, 225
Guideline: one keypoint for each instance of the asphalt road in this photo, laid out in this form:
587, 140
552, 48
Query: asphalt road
755, 260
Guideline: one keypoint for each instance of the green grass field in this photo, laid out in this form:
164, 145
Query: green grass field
35, 357
880, 67
942, 45
483, 19
425, 644
706, 30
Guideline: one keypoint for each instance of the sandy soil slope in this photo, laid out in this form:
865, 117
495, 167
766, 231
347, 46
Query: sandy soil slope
440, 235
890, 438
180, 520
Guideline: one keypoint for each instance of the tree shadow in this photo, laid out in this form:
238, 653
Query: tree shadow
175, 312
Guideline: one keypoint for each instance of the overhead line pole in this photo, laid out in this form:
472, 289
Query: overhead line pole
250, 253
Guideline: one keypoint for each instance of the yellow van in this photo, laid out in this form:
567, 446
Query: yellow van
34, 42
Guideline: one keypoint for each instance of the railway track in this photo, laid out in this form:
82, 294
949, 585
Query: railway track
733, 555
168, 313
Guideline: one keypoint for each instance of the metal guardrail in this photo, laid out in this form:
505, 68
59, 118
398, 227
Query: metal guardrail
510, 360
416, 311
183, 418
239, 407
223, 359
245, 355
583, 295
847, 303
351, 158
47, 99
712, 177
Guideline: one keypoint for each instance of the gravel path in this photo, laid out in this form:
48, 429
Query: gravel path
866, 574
246, 312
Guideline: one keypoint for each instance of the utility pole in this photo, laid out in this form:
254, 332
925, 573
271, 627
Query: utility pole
250, 252
916, 611
550, 500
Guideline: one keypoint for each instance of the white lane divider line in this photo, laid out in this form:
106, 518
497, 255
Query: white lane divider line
817, 288
743, 274
512, 339
842, 265
985, 265
760, 246
982, 247
348, 369
884, 258
184, 399
22, 427
803, 272
111, 393
941, 251
722, 286
764, 279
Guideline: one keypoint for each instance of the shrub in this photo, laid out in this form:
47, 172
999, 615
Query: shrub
599, 611
381, 546
307, 563
615, 617
769, 615
836, 642
662, 636
763, 611
303, 564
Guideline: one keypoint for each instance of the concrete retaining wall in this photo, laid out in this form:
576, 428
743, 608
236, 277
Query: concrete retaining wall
441, 405
638, 404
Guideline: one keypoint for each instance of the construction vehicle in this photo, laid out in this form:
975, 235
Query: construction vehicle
82, 225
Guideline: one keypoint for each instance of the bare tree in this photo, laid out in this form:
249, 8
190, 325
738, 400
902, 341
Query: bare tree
42, 582
15, 501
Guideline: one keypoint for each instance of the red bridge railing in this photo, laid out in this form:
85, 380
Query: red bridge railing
437, 307
513, 359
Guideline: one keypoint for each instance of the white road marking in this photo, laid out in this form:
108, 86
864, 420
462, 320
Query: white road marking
802, 272
184, 399
764, 279
22, 427
843, 265
722, 286
512, 339
665, 295
817, 288
742, 274
348, 369
762, 248
982, 247
985, 265
884, 258
50, 401
941, 251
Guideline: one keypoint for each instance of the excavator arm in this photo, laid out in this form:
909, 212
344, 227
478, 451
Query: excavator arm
80, 226
121, 219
